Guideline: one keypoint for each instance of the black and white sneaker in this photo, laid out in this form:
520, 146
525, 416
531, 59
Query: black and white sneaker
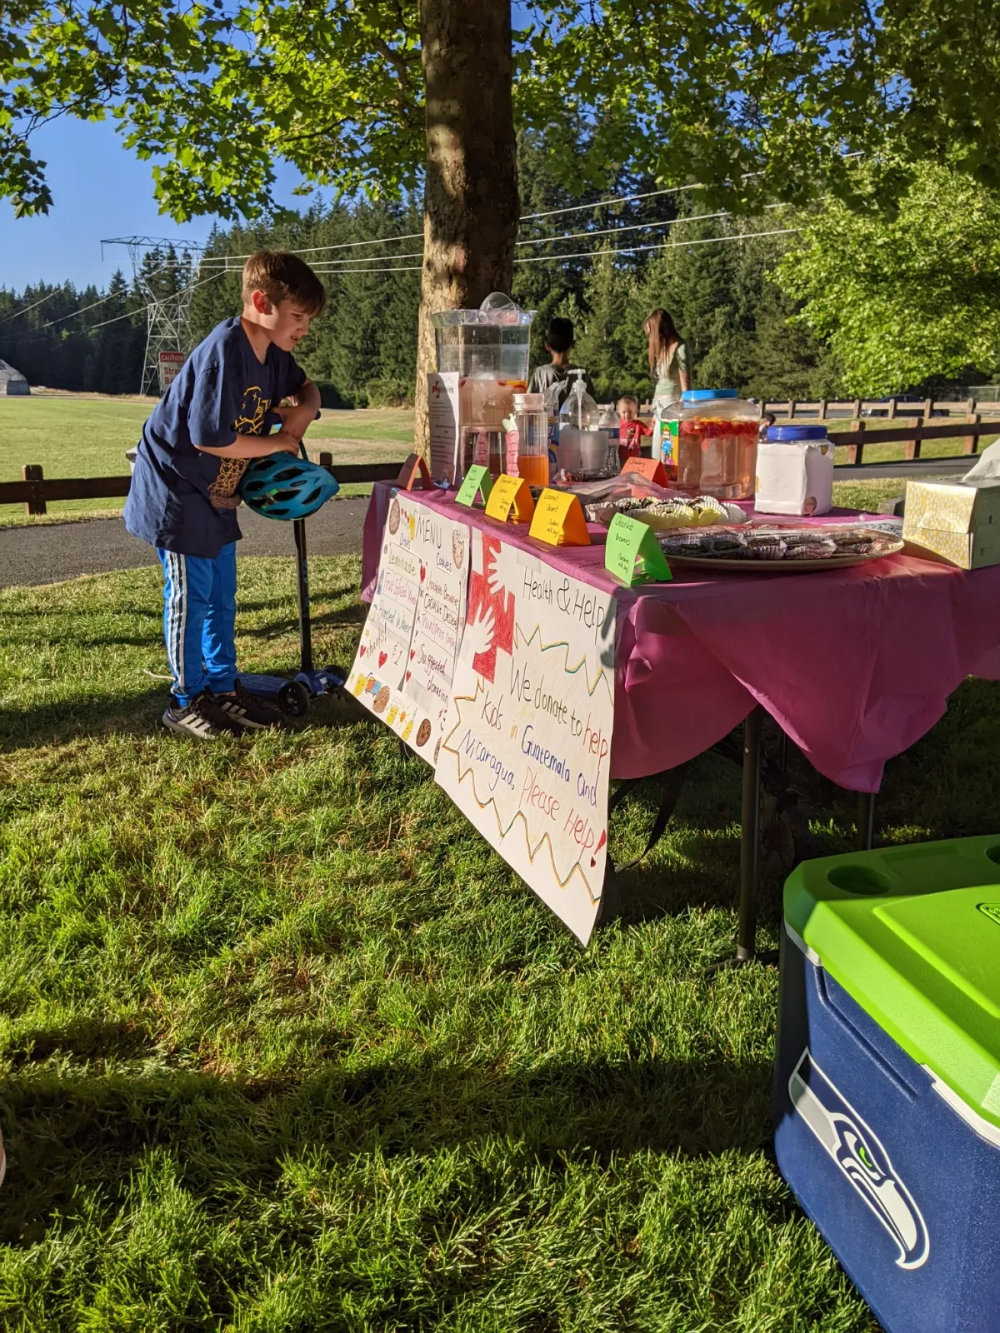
249, 710
201, 718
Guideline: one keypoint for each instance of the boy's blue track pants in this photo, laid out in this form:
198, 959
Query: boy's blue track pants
199, 621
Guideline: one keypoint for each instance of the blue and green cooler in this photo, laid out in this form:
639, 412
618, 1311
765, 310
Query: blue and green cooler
887, 1082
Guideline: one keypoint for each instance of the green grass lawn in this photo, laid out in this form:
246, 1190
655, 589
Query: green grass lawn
286, 1047
88, 437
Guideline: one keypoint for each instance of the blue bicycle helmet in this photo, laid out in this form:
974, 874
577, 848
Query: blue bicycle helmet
281, 486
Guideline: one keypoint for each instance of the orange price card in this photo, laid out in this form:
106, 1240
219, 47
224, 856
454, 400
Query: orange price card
650, 468
413, 468
559, 520
510, 499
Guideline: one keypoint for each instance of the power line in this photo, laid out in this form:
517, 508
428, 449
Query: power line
128, 314
82, 311
531, 259
606, 203
54, 292
527, 217
664, 245
637, 226
338, 266
586, 254
314, 249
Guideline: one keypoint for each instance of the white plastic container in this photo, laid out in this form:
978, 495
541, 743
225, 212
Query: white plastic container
794, 471
583, 446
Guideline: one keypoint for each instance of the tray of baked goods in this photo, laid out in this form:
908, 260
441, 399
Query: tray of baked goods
771, 548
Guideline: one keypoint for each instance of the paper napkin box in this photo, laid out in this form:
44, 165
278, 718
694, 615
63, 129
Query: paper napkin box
960, 523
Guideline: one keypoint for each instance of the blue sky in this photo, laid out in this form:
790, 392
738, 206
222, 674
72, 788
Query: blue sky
100, 189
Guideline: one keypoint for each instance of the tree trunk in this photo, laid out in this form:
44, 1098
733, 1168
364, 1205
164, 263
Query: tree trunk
471, 207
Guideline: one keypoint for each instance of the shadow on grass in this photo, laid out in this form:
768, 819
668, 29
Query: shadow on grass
229, 1136
139, 715
69, 719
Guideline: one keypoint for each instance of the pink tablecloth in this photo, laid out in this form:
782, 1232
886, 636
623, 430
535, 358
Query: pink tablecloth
855, 664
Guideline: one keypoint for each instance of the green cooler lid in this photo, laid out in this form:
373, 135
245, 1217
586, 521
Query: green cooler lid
913, 934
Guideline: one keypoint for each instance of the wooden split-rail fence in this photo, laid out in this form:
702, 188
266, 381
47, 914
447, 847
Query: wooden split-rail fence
931, 419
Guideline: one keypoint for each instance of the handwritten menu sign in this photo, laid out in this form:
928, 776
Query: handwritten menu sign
559, 520
403, 668
526, 749
630, 540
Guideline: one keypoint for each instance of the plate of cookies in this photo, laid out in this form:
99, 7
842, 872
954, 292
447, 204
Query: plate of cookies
767, 548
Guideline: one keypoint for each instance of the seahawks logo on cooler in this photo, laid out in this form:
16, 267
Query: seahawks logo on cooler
856, 1149
992, 910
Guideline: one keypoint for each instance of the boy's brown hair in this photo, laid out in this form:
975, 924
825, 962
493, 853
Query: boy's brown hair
283, 277
628, 398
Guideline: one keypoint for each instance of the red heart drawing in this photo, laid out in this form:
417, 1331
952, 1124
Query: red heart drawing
409, 674
361, 651
382, 659
413, 653
423, 571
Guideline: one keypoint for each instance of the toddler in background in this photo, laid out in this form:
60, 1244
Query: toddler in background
631, 430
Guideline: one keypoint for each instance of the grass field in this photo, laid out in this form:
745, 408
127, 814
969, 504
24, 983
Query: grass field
284, 1047
88, 437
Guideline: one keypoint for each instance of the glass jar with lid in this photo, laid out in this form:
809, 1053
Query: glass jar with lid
528, 442
717, 444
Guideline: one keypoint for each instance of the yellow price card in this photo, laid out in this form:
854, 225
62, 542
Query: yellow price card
559, 520
510, 499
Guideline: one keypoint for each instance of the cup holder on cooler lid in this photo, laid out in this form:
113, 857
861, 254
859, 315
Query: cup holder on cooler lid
861, 879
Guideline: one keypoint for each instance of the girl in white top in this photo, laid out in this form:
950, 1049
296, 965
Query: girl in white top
668, 358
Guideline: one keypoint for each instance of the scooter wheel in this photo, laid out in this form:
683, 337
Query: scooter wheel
293, 699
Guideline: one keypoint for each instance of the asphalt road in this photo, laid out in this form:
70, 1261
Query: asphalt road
57, 551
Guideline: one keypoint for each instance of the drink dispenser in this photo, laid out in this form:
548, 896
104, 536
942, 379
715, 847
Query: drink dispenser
717, 444
583, 447
489, 349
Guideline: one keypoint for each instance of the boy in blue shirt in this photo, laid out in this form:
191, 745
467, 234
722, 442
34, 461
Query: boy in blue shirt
195, 446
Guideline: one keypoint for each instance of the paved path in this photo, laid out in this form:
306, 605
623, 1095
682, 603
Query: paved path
56, 551
921, 468
50, 553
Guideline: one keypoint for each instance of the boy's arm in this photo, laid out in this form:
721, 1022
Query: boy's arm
297, 418
254, 446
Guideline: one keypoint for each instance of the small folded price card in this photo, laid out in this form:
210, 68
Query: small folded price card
559, 520
650, 468
414, 467
630, 540
510, 498
477, 482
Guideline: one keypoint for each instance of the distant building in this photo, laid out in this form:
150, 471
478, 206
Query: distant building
12, 381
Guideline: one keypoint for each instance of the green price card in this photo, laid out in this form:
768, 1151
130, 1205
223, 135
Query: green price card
477, 482
630, 540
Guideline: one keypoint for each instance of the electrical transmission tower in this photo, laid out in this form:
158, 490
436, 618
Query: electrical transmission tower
168, 327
